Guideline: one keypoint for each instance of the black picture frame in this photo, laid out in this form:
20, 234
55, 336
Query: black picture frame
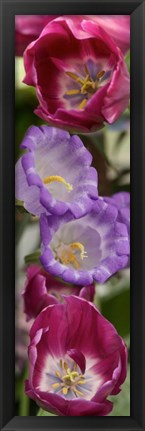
136, 421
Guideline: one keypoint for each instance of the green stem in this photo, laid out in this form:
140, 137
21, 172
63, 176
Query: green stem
42, 412
24, 400
97, 301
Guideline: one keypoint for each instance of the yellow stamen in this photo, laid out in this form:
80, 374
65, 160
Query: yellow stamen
56, 385
77, 392
91, 84
65, 366
70, 375
87, 85
75, 77
72, 92
74, 374
65, 390
100, 74
75, 366
68, 254
81, 382
70, 380
83, 104
83, 88
58, 374
58, 178
86, 70
78, 246
68, 257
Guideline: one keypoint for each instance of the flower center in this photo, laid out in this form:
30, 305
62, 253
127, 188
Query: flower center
67, 254
52, 178
69, 379
87, 85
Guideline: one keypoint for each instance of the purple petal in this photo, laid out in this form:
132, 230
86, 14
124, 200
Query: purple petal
78, 357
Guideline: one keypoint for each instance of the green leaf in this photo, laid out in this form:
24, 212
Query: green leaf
117, 310
42, 412
33, 257
127, 59
114, 301
18, 203
20, 207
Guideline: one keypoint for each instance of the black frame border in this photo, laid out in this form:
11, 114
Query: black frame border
135, 8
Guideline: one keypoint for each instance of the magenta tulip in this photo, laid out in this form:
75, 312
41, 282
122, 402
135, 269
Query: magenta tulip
28, 28
77, 359
42, 289
79, 73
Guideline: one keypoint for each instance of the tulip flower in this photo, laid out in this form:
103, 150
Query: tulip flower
79, 73
42, 289
77, 359
118, 28
28, 28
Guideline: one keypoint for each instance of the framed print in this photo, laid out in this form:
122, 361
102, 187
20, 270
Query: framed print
72, 265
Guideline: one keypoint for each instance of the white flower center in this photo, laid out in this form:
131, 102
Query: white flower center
64, 377
87, 85
69, 379
72, 254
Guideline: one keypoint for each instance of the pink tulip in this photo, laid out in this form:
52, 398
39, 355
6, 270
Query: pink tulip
118, 28
79, 73
28, 28
42, 289
77, 359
